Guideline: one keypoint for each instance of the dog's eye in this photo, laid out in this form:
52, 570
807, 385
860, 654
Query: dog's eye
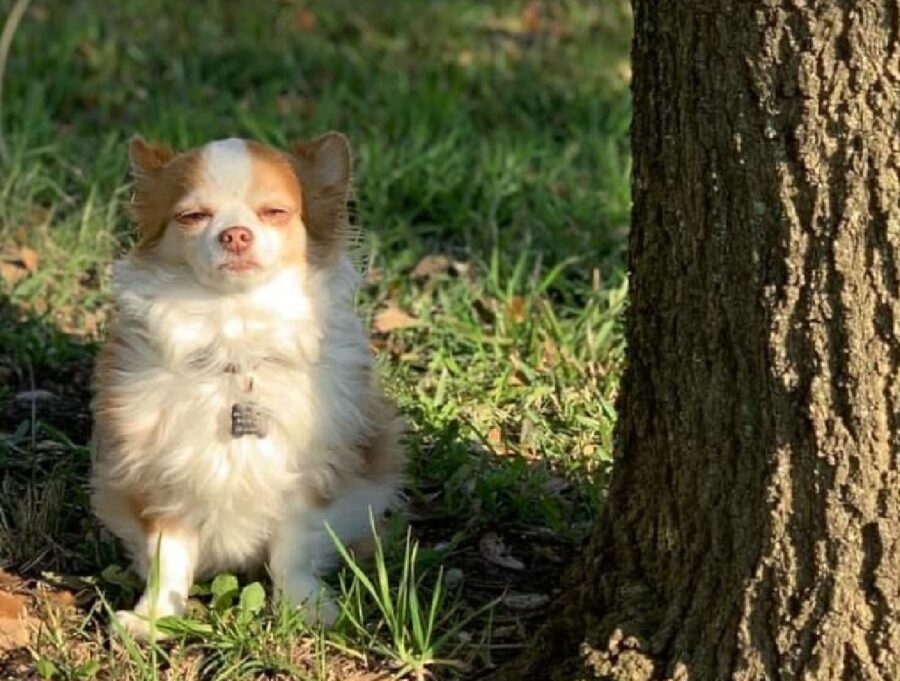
193, 217
274, 214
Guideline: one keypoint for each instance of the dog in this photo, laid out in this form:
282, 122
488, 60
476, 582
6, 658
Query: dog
237, 415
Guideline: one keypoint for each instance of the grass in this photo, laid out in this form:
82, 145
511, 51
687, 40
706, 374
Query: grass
409, 630
492, 175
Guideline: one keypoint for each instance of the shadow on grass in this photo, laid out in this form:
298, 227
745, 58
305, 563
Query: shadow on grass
44, 459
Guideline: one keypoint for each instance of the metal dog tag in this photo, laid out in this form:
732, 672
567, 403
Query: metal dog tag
246, 419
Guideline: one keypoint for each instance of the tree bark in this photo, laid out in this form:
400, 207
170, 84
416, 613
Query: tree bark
752, 529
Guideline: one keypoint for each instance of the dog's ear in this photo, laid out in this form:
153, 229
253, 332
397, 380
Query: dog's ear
324, 163
150, 199
324, 170
147, 157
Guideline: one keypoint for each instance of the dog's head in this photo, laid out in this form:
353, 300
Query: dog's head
237, 212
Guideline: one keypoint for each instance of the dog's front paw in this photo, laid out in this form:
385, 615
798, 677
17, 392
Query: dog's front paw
323, 610
137, 626
305, 591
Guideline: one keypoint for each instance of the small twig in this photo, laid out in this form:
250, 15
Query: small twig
9, 30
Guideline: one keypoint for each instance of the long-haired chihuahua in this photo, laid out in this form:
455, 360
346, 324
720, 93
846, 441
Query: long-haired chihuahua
236, 412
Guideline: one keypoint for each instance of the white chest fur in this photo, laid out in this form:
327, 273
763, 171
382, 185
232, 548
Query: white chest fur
293, 348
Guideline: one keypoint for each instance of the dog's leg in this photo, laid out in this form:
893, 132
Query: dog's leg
297, 557
303, 550
167, 562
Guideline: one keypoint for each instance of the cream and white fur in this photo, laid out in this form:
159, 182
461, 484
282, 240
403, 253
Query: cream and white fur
191, 338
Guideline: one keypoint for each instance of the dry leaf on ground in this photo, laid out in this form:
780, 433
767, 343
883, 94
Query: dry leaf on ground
304, 20
391, 318
15, 623
494, 551
9, 581
495, 436
29, 258
12, 274
59, 599
517, 309
373, 275
16, 264
531, 16
431, 265
463, 269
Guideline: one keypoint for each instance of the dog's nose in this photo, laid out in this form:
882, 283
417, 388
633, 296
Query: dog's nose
236, 239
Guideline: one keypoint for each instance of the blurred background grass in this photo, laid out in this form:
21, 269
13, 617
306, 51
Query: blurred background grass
492, 180
474, 126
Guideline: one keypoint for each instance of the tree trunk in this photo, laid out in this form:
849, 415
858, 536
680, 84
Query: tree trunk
753, 524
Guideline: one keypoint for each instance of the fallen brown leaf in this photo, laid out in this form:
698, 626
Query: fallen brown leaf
531, 17
61, 599
495, 436
517, 309
462, 268
392, 318
497, 441
493, 550
9, 581
549, 354
29, 258
12, 274
431, 265
304, 20
12, 605
15, 624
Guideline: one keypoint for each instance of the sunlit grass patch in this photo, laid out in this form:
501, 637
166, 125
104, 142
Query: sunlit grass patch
414, 623
397, 613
